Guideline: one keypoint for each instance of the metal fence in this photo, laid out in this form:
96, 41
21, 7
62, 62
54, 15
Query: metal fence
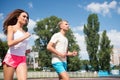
37, 74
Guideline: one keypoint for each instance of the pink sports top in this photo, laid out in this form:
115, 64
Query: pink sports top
20, 48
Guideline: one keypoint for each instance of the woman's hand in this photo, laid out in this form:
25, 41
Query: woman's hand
27, 34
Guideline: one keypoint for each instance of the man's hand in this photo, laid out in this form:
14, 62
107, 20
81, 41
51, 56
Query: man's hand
74, 53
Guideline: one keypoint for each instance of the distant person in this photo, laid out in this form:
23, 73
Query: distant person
17, 38
58, 45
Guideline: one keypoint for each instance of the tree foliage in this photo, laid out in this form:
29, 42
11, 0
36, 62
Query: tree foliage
71, 47
92, 39
45, 29
105, 52
99, 59
3, 49
25, 28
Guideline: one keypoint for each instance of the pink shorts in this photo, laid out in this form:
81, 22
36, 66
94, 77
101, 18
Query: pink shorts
14, 60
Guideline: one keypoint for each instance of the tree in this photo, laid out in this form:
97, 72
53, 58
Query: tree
92, 39
25, 28
73, 46
105, 52
85, 65
3, 49
45, 29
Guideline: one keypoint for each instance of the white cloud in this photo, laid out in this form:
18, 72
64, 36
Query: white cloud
103, 8
114, 36
1, 16
112, 5
118, 10
81, 42
30, 5
2, 36
34, 36
31, 25
78, 28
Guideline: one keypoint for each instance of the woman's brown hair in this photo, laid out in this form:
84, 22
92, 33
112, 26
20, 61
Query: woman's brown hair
11, 19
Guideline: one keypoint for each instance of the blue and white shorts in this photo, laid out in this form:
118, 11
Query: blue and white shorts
60, 67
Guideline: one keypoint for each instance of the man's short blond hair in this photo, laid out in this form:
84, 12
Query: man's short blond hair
61, 22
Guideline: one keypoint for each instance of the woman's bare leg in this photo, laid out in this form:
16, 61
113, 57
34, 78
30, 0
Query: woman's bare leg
21, 72
8, 72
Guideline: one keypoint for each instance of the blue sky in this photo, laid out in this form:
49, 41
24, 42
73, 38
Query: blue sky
75, 12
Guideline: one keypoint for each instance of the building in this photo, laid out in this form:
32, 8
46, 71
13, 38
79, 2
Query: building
32, 59
115, 57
